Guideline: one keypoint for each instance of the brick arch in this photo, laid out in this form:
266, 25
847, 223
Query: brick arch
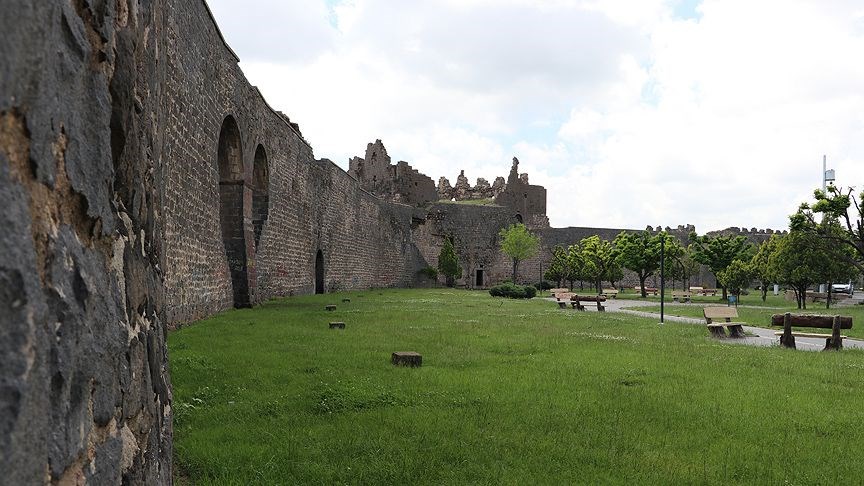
260, 192
231, 214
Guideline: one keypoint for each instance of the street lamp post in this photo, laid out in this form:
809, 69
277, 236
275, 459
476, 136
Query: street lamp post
662, 273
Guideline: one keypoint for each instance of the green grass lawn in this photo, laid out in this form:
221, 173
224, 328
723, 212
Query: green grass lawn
512, 392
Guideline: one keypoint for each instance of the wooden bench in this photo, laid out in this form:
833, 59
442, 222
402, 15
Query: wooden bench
680, 296
562, 298
833, 341
576, 301
702, 291
725, 313
648, 290
554, 292
609, 293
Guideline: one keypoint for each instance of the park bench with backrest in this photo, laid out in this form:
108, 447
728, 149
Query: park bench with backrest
702, 291
680, 296
609, 293
715, 325
788, 321
562, 298
577, 300
648, 290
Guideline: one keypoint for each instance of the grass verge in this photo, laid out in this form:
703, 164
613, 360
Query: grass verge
512, 392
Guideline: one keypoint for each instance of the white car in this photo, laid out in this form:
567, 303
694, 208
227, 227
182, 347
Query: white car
847, 288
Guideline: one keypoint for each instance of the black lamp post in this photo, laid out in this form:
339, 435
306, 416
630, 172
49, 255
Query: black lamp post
662, 273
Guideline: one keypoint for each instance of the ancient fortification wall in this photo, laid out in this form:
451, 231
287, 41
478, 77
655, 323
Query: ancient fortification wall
84, 388
145, 184
311, 205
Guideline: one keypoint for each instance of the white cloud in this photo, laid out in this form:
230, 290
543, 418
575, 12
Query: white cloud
629, 114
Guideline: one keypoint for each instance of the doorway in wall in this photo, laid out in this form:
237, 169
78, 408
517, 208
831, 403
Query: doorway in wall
319, 272
478, 282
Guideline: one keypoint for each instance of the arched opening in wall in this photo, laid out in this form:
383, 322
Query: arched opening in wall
518, 217
230, 159
319, 272
260, 193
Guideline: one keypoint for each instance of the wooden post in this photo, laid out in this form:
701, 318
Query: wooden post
787, 339
835, 342
736, 332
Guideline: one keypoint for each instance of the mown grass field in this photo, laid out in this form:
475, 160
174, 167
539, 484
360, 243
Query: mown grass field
510, 392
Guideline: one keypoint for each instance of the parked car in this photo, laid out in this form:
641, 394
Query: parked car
846, 288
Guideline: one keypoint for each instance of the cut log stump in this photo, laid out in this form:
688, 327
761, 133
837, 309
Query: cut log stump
337, 325
330, 307
406, 358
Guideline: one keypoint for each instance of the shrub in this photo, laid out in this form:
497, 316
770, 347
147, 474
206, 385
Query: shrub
513, 291
544, 285
429, 272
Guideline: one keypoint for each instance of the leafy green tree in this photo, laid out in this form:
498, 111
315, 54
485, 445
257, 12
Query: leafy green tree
760, 266
448, 262
519, 244
683, 267
557, 270
575, 265
839, 258
640, 252
797, 262
598, 257
835, 205
736, 277
718, 252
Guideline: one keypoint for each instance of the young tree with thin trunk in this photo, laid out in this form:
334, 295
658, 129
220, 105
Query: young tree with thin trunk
718, 252
519, 244
598, 257
448, 262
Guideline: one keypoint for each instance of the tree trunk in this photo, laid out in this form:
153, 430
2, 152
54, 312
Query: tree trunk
764, 291
828, 300
804, 298
598, 284
642, 285
515, 266
725, 294
450, 281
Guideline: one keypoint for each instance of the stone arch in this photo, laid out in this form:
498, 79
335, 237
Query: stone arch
230, 160
319, 272
260, 193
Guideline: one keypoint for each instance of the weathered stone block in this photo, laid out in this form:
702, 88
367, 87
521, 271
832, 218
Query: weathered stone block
407, 358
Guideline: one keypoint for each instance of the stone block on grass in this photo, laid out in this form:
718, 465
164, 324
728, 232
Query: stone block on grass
330, 307
407, 358
337, 325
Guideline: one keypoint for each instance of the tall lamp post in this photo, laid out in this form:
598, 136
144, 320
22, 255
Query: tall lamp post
662, 273
827, 176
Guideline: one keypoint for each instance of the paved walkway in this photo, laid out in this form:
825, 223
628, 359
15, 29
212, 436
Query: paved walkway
757, 336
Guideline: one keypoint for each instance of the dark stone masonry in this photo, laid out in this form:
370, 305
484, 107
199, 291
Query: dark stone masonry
145, 185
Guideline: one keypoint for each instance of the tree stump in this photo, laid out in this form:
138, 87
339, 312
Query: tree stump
407, 358
346, 301
330, 307
337, 325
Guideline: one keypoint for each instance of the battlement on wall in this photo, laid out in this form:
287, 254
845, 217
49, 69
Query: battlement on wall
393, 182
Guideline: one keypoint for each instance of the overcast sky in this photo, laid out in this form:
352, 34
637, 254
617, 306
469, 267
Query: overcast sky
631, 113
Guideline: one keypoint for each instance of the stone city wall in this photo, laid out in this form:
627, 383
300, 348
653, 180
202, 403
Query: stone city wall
84, 389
